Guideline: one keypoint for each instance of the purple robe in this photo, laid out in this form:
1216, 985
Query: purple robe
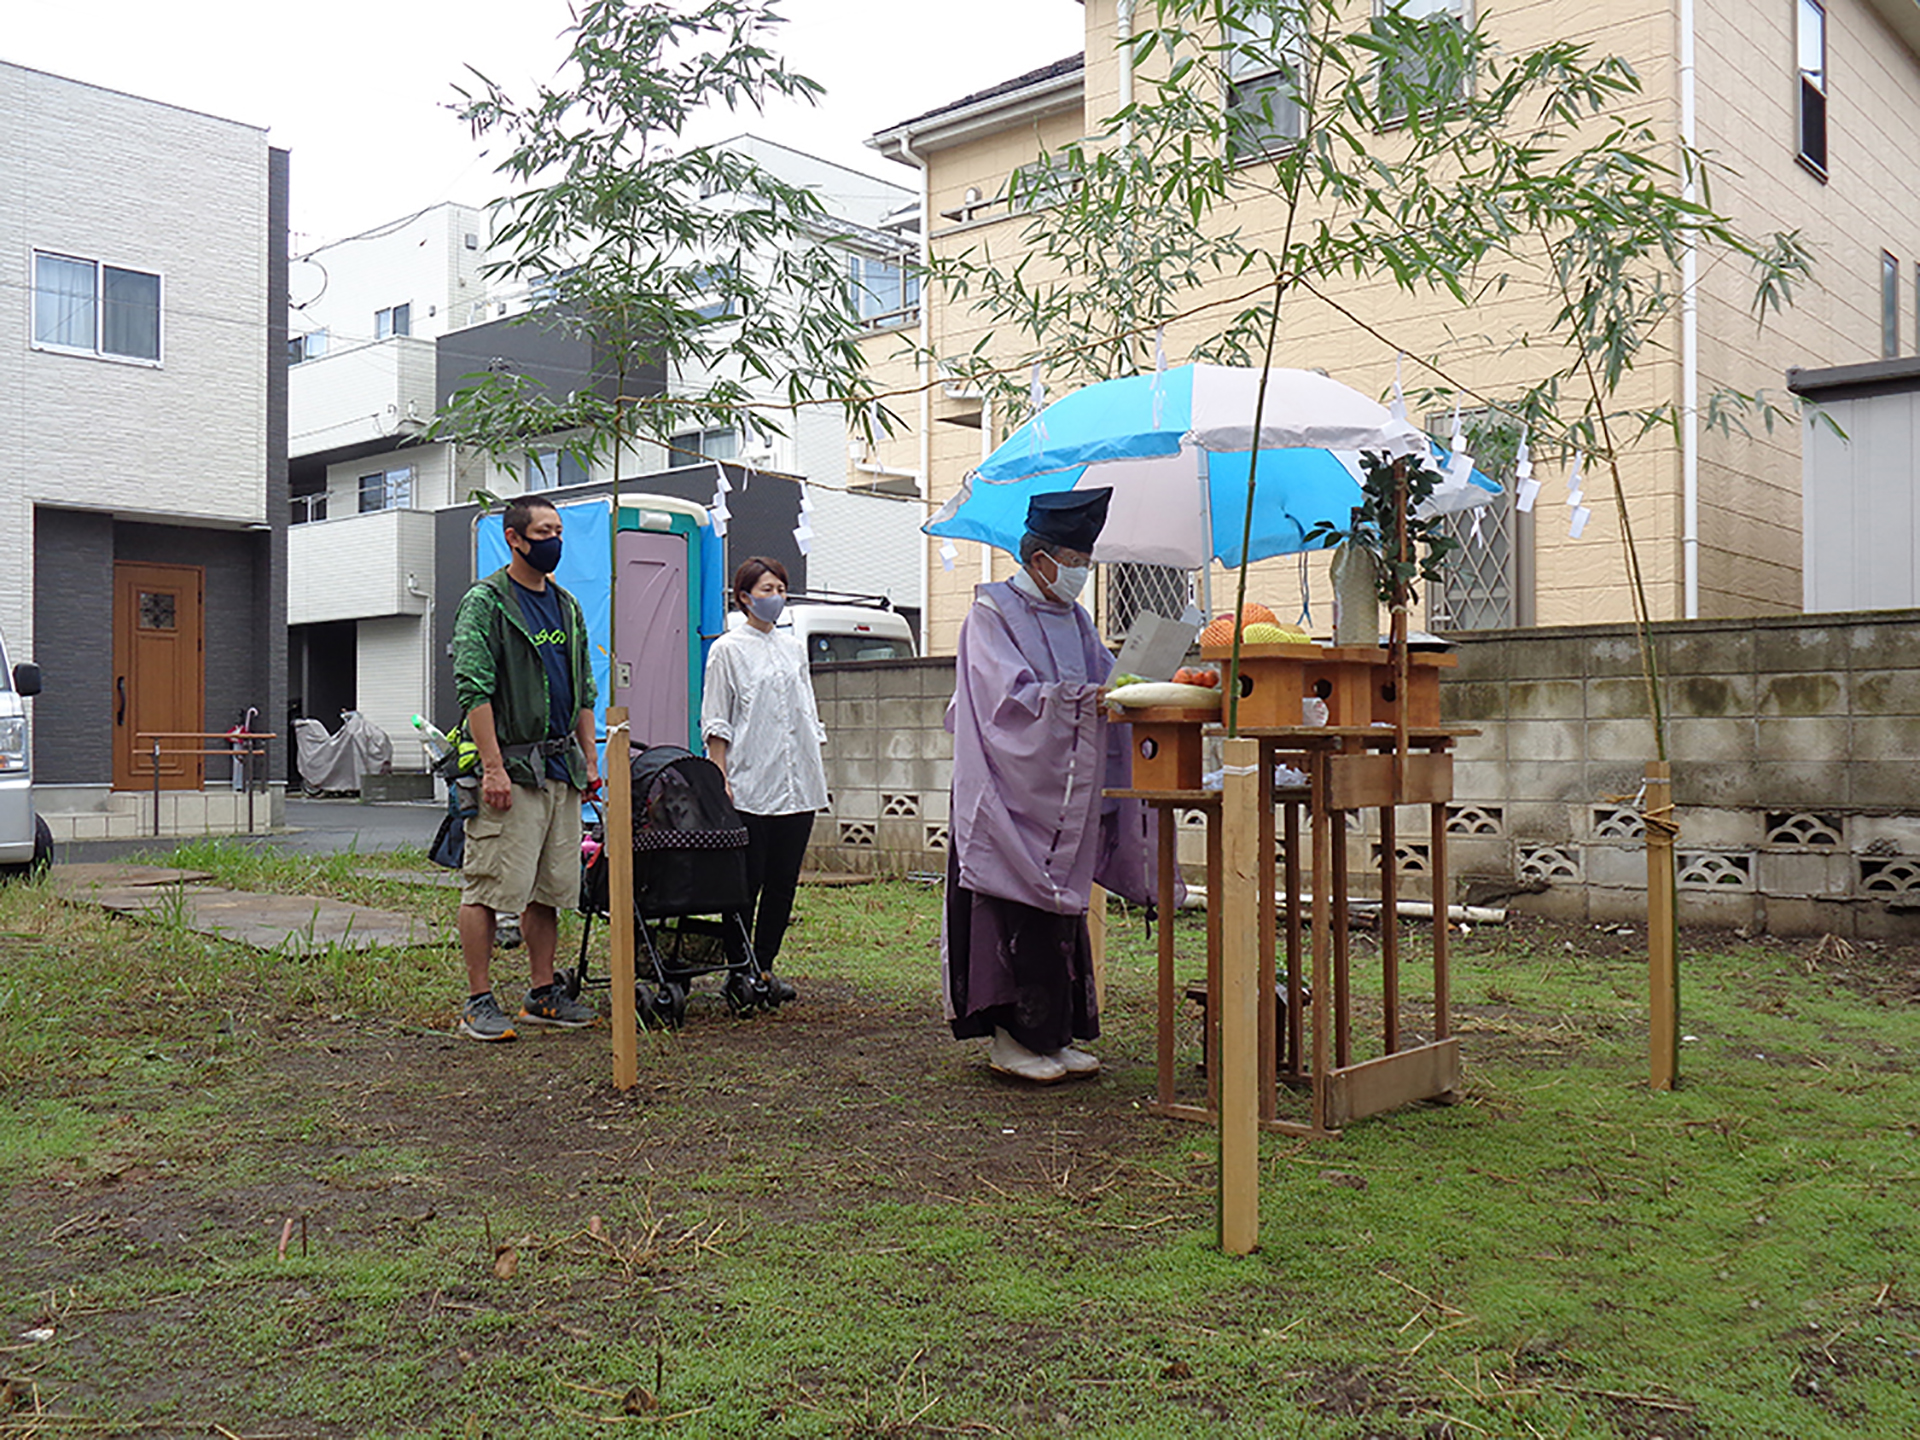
1030, 828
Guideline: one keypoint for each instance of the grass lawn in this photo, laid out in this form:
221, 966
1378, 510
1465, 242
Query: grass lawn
249, 1195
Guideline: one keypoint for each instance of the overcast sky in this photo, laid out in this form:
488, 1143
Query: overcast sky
356, 89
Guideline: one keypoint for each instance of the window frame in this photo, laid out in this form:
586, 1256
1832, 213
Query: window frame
396, 490
1815, 83
98, 350
393, 320
681, 445
558, 461
1460, 12
301, 348
907, 279
1262, 84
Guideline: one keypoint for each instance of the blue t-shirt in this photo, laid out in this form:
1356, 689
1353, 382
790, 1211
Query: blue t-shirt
546, 619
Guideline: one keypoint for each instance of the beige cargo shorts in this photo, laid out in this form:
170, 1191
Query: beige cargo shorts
526, 854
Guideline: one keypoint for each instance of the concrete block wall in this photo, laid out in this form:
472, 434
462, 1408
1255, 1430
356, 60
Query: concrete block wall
1794, 742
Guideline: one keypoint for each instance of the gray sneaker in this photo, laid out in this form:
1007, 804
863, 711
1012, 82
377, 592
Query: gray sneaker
556, 1007
483, 1019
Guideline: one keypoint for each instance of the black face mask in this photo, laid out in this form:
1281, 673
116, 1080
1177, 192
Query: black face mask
544, 555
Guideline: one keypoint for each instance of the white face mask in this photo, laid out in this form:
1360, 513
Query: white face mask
1069, 581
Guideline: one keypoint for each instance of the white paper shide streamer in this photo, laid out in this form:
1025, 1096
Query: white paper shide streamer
717, 512
948, 554
803, 532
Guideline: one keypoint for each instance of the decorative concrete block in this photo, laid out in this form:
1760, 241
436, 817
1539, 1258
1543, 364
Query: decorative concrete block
1537, 740
1817, 692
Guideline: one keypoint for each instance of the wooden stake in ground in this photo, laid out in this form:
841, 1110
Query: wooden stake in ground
1663, 929
1240, 998
619, 851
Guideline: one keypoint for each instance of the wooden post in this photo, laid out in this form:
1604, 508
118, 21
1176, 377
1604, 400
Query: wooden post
1390, 919
619, 846
1269, 1037
1296, 989
1334, 900
1238, 1001
1322, 825
1163, 989
1097, 945
1663, 933
1442, 891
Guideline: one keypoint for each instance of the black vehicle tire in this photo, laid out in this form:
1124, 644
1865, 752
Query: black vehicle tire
42, 859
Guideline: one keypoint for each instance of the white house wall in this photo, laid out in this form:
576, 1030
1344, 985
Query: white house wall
108, 177
360, 392
423, 263
392, 661
357, 567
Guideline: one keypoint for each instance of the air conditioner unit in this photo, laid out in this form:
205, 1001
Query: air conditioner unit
758, 459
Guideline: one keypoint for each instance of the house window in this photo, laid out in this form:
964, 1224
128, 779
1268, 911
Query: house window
548, 468
397, 320
387, 490
310, 346
1488, 581
1041, 185
1811, 42
307, 508
1889, 306
716, 300
697, 447
1263, 64
90, 308
1426, 78
882, 292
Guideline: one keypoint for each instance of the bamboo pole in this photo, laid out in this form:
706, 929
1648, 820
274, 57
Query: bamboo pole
1097, 945
619, 850
1663, 932
1239, 999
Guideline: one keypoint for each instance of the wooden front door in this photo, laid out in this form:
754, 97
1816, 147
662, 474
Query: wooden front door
159, 673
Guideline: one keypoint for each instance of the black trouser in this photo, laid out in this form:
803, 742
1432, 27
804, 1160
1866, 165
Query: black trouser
776, 844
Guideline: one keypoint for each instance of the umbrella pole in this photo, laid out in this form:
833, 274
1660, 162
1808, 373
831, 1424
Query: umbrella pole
1397, 627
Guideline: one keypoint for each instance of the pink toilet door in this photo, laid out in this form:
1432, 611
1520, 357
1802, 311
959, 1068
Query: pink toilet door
650, 634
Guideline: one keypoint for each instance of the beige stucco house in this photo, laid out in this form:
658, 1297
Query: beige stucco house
1812, 111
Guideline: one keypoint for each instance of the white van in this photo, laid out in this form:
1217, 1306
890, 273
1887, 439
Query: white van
842, 628
26, 845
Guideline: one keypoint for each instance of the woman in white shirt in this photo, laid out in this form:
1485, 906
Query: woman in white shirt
761, 728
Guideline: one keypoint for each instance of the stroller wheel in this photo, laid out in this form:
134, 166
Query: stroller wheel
743, 996
674, 996
568, 981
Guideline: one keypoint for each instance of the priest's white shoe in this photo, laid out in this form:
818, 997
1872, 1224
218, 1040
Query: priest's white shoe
1008, 1056
1077, 1063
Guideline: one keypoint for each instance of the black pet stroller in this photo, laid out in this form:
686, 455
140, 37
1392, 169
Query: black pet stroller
689, 890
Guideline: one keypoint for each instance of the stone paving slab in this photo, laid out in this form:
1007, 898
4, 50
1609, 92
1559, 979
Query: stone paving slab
437, 879
290, 924
74, 881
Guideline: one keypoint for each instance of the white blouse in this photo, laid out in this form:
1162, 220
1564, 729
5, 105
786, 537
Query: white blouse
759, 699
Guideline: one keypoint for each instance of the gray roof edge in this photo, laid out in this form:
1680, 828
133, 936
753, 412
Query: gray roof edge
1840, 382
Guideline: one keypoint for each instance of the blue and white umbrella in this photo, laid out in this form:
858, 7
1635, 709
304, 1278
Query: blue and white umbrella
1176, 446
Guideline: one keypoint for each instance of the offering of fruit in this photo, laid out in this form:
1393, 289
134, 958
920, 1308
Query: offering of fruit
1197, 675
1273, 635
1219, 630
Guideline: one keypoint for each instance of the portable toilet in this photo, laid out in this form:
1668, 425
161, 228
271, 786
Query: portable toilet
670, 603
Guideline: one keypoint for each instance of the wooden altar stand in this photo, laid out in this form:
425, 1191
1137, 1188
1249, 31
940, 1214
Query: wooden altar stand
1348, 767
